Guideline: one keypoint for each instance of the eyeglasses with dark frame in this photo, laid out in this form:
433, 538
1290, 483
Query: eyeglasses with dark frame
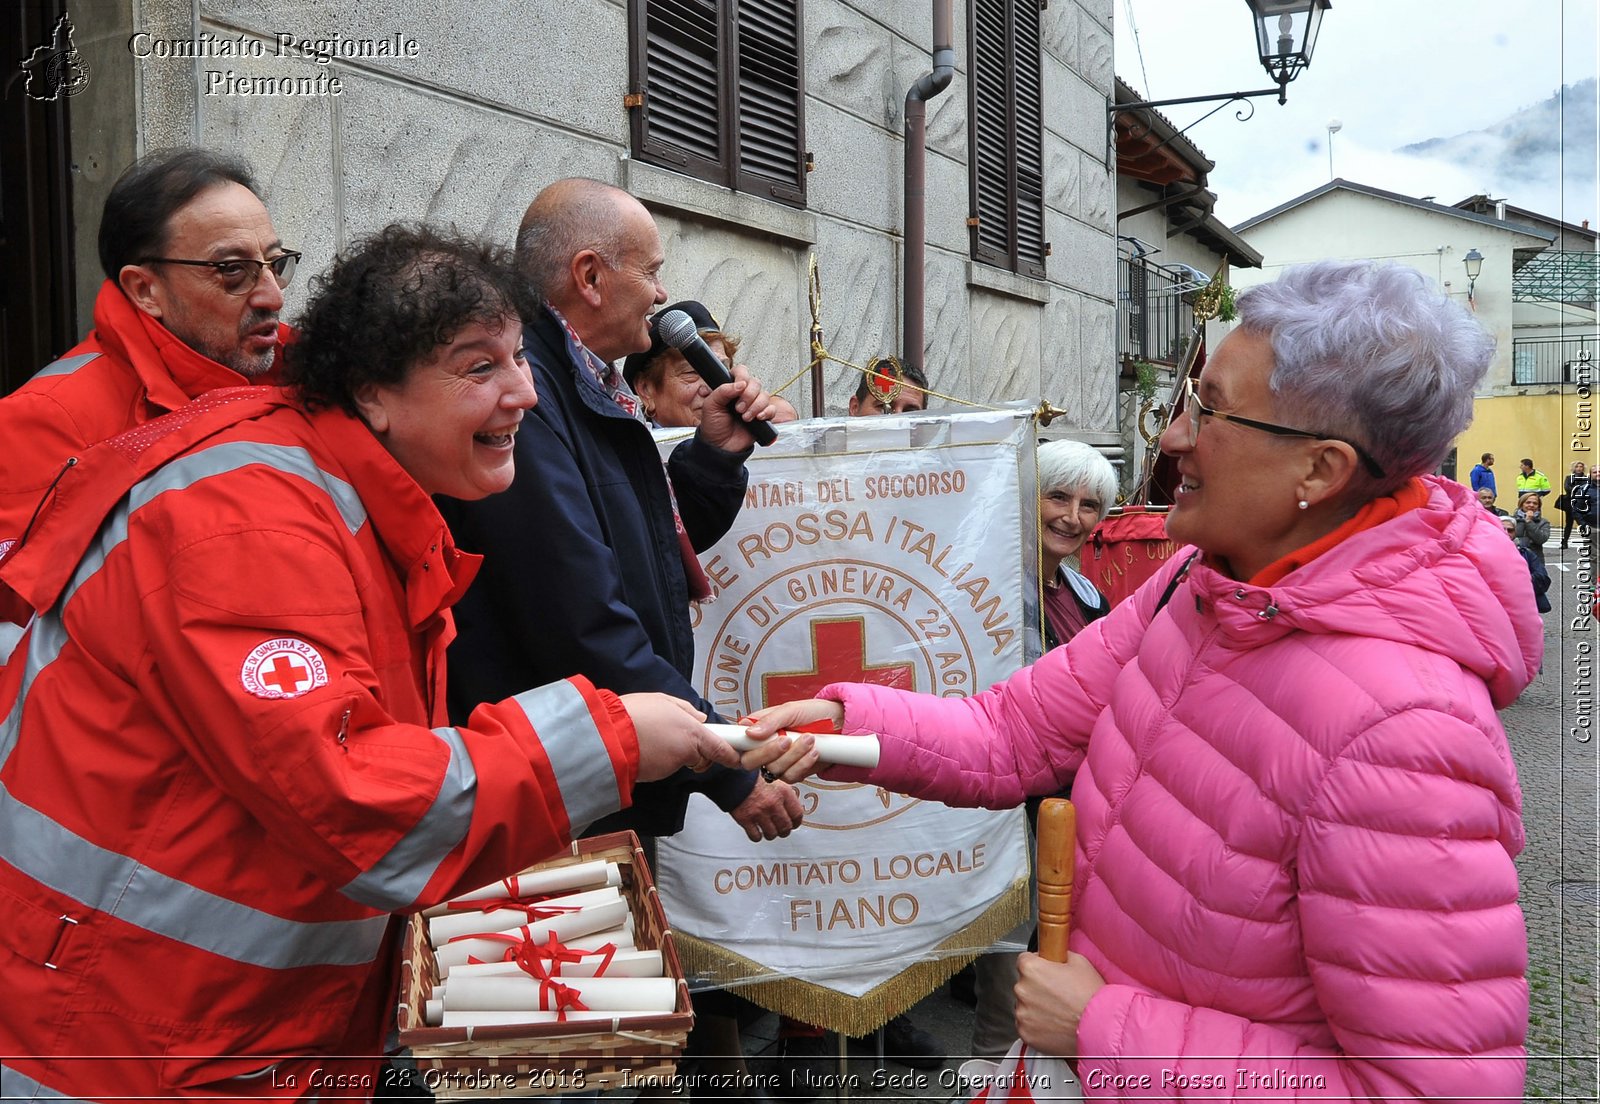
1193, 407
236, 273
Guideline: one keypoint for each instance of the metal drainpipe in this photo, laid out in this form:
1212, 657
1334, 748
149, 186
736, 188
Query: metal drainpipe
913, 307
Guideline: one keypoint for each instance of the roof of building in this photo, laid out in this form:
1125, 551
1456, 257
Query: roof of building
1151, 150
1479, 202
1340, 184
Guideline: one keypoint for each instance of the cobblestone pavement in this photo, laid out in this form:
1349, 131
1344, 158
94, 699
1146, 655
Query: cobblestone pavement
1552, 729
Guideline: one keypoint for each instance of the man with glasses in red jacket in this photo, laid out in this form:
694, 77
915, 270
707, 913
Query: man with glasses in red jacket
194, 282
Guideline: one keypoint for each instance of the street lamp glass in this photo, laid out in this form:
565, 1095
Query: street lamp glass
1474, 262
1286, 33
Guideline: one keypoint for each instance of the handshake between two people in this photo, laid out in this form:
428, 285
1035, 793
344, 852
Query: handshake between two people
672, 734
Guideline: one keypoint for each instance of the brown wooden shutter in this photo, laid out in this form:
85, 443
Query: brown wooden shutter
1028, 135
771, 100
682, 122
988, 122
1007, 135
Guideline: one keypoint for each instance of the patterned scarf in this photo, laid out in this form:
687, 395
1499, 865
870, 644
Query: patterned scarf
612, 383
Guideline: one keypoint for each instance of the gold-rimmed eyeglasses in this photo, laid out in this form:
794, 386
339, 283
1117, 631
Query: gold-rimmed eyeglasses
240, 275
1189, 403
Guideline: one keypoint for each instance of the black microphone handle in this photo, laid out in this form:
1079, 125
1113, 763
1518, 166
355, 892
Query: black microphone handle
711, 369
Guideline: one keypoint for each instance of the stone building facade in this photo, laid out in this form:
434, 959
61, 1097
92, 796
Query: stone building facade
460, 113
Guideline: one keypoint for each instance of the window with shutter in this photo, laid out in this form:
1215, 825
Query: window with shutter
1006, 129
719, 92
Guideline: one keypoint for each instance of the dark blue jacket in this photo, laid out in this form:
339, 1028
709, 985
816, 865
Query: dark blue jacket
1540, 575
1483, 477
583, 572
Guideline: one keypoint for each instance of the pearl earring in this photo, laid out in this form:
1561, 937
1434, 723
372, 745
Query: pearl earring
1304, 505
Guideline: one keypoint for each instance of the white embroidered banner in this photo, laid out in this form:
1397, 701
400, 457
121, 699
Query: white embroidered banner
898, 550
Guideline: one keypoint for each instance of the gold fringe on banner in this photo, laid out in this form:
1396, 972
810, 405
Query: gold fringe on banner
811, 1003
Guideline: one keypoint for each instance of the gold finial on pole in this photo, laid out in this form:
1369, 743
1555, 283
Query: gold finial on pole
819, 352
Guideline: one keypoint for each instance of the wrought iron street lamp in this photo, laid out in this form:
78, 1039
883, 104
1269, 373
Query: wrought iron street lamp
1474, 262
1286, 33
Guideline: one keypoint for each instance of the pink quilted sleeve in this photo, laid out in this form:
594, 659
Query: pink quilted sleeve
1021, 737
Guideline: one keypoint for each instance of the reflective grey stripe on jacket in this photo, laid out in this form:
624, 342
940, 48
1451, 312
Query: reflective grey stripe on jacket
65, 366
583, 768
395, 881
104, 881
584, 774
19, 1086
48, 637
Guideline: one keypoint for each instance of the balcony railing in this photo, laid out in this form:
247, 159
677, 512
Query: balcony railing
1154, 315
1537, 360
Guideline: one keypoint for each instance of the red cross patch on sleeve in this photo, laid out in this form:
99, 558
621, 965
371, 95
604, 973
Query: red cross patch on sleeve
283, 668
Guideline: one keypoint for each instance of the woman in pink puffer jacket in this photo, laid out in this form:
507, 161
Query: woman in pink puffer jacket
1297, 811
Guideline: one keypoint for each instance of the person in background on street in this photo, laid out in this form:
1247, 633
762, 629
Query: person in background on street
1537, 572
1297, 811
230, 767
1532, 529
889, 387
670, 390
194, 282
1531, 479
1076, 485
1579, 474
1483, 475
1486, 498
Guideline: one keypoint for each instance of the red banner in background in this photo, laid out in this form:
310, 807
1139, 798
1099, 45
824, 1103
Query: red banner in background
1128, 547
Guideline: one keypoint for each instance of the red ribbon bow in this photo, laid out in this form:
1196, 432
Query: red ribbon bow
531, 910
544, 964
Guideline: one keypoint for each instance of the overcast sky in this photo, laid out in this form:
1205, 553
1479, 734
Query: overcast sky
1393, 72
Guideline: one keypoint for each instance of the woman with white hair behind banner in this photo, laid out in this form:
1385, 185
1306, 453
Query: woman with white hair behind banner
1297, 810
1076, 486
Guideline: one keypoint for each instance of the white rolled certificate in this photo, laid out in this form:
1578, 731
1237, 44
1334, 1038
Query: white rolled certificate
624, 963
621, 936
838, 751
446, 926
566, 927
525, 1016
501, 994
538, 882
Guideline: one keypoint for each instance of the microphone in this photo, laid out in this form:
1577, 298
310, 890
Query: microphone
678, 330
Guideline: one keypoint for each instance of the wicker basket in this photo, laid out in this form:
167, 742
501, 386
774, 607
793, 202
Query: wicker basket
465, 1063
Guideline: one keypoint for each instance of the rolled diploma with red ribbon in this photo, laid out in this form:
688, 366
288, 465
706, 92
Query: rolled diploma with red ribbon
525, 1016
567, 927
623, 964
837, 751
449, 925
620, 936
605, 994
539, 882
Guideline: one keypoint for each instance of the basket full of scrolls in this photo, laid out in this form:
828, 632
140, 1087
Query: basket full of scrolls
563, 978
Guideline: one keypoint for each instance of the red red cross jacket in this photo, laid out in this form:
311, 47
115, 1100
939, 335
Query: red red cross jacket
224, 762
129, 370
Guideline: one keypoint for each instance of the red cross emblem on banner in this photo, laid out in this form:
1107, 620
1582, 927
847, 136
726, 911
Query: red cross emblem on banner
838, 654
283, 668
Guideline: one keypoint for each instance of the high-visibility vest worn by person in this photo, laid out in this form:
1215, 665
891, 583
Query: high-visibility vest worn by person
225, 762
